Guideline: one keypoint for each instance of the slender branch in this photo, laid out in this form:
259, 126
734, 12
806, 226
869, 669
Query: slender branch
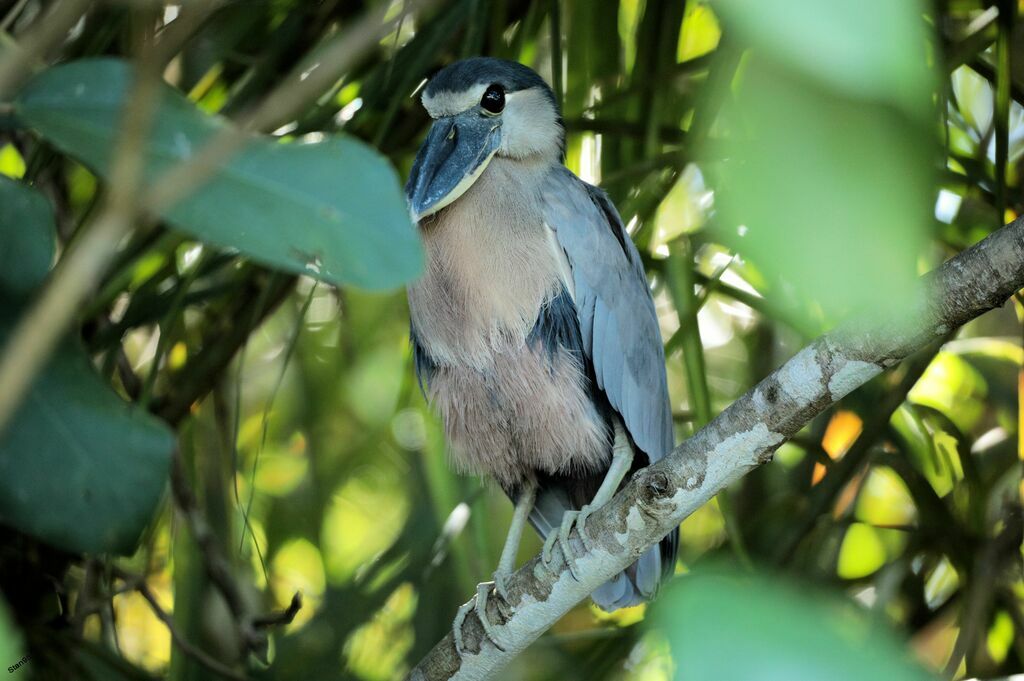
737, 441
217, 567
138, 583
251, 628
19, 58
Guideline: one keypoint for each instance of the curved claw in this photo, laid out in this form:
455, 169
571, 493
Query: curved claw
561, 537
460, 619
482, 592
501, 585
549, 546
581, 525
568, 520
478, 604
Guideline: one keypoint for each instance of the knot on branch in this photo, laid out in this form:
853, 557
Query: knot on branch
656, 492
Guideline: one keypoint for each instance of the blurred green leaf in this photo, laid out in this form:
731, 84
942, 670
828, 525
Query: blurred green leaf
26, 226
872, 49
830, 195
79, 467
10, 638
331, 209
933, 453
834, 193
954, 387
725, 626
861, 552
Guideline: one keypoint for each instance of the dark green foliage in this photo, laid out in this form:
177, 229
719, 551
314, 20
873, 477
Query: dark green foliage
79, 467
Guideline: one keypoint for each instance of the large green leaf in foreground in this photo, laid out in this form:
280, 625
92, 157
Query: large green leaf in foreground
79, 467
331, 209
726, 626
830, 194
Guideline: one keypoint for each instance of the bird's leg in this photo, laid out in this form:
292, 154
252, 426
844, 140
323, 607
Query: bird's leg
524, 504
622, 460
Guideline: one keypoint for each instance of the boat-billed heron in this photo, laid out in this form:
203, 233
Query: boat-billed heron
533, 327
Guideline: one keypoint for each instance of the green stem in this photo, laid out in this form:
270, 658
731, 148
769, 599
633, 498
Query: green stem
1002, 103
682, 281
555, 18
124, 272
167, 326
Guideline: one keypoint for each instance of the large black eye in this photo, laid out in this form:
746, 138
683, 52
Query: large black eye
493, 100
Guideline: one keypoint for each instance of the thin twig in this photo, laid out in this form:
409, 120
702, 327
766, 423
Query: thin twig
138, 584
282, 617
42, 37
214, 562
265, 427
12, 15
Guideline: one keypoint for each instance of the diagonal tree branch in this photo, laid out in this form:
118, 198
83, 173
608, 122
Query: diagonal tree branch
741, 438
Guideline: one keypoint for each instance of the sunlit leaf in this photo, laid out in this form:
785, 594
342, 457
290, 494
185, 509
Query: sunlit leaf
364, 517
842, 431
144, 639
884, 499
933, 453
375, 652
11, 162
952, 386
1000, 637
941, 583
279, 474
331, 209
700, 33
861, 553
974, 95
298, 567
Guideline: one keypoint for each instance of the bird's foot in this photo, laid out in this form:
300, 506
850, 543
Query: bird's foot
479, 604
561, 538
581, 525
500, 578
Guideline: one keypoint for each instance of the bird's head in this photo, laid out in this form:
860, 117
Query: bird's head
481, 107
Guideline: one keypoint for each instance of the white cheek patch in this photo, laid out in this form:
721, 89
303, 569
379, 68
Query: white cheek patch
530, 125
448, 103
461, 188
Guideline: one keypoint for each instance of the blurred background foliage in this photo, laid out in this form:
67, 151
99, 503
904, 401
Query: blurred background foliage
780, 164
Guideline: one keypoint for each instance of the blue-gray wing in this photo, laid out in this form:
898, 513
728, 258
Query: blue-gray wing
613, 302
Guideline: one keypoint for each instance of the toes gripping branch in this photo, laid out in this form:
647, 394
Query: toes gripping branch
622, 461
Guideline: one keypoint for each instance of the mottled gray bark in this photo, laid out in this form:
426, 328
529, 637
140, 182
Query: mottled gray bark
741, 438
